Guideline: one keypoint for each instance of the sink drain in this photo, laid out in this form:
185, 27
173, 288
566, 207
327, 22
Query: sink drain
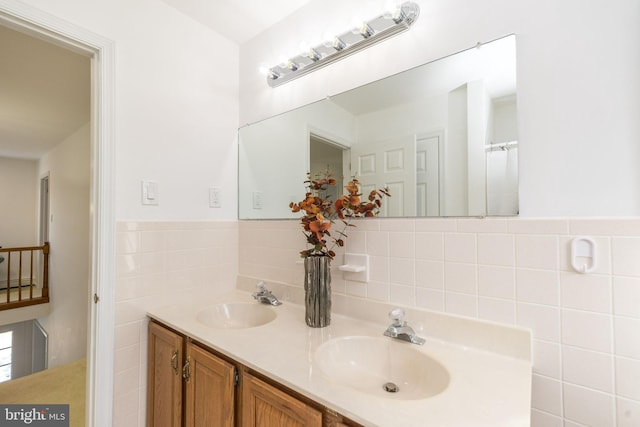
390, 388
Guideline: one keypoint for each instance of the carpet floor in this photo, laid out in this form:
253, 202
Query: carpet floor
62, 384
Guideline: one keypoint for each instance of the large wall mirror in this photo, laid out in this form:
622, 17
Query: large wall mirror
442, 136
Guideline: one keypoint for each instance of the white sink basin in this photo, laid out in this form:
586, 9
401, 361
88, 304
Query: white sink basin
369, 365
237, 315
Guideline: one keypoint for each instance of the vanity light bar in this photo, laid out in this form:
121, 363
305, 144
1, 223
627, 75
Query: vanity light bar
368, 33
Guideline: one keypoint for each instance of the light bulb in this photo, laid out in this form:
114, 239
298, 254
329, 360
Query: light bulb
328, 38
393, 10
309, 52
313, 55
356, 23
292, 65
338, 44
264, 70
365, 30
361, 27
390, 8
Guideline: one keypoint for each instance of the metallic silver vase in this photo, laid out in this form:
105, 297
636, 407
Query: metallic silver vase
317, 291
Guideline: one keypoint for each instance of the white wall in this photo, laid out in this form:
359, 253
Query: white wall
68, 166
478, 105
176, 104
577, 85
424, 116
18, 202
505, 120
456, 180
502, 166
502, 182
286, 138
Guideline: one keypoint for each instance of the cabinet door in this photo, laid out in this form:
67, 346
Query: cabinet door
164, 379
333, 419
210, 389
266, 406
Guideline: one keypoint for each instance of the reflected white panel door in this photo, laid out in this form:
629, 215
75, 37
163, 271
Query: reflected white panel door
390, 163
428, 176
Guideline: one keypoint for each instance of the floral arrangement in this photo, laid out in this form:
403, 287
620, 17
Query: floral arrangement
320, 213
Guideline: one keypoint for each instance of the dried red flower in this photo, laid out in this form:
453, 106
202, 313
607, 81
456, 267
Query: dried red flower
320, 212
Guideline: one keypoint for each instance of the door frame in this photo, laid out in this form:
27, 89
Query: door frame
44, 213
330, 139
35, 22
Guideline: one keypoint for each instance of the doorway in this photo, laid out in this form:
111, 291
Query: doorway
35, 22
327, 157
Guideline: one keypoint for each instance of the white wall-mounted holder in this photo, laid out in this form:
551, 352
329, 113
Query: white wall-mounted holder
583, 254
355, 267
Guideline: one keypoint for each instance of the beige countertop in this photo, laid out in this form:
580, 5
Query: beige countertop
489, 378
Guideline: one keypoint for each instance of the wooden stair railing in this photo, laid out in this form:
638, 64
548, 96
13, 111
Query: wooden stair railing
9, 300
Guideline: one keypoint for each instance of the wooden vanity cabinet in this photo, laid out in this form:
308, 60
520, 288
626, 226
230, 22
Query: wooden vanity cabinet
187, 385
192, 386
164, 377
265, 405
332, 419
209, 389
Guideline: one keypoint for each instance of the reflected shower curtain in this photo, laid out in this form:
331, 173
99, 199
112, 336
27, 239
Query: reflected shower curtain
502, 182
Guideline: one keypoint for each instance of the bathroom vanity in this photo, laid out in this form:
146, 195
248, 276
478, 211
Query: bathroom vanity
219, 391
231, 361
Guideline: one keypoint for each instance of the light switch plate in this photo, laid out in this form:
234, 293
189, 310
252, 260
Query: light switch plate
150, 193
257, 200
214, 198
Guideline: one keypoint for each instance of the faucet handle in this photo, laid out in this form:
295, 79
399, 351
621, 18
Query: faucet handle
397, 316
261, 286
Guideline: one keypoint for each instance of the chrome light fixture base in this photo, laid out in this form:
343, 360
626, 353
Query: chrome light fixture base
371, 32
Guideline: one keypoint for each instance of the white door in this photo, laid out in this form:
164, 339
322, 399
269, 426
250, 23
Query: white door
389, 163
428, 176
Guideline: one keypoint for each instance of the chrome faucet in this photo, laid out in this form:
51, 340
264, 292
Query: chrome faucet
400, 330
264, 295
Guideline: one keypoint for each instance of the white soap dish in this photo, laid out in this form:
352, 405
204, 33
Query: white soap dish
355, 267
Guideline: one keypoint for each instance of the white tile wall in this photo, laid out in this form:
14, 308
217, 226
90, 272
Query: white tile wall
588, 407
539, 418
627, 412
159, 263
586, 327
626, 296
626, 339
623, 250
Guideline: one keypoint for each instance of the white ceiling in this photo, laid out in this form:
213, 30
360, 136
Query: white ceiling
44, 94
238, 20
45, 89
